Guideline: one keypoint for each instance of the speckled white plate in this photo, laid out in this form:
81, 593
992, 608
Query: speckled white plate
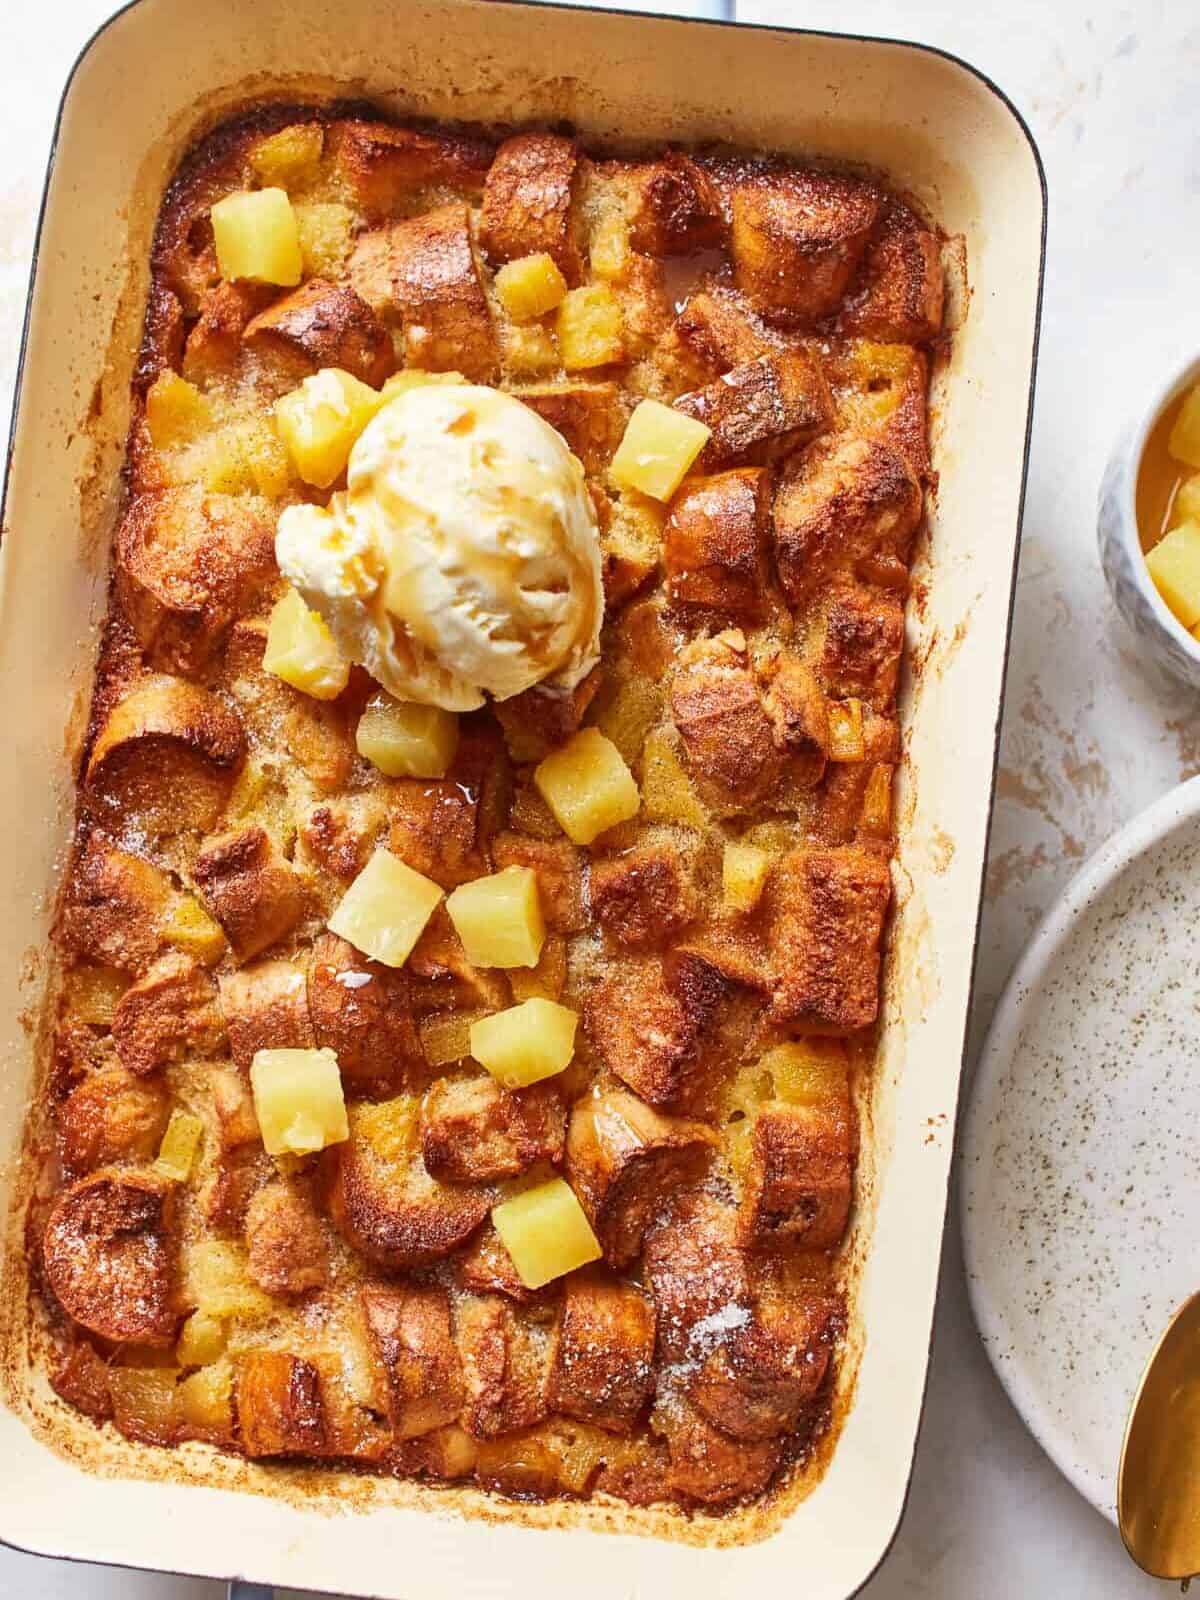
1080, 1167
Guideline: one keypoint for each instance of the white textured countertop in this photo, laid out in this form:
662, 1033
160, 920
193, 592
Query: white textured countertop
1091, 734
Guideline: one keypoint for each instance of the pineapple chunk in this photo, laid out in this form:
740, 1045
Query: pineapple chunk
405, 740
1174, 565
201, 1340
545, 1232
145, 1398
529, 349
255, 235
608, 248
1187, 501
589, 328
244, 456
175, 410
217, 1282
180, 1146
320, 421
324, 235
392, 1128
94, 992
301, 651
446, 1037
876, 815
1184, 443
205, 1400
385, 909
805, 1072
189, 928
627, 719
587, 786
416, 378
744, 871
666, 788
289, 156
499, 919
547, 980
530, 287
657, 450
298, 1100
526, 1043
846, 742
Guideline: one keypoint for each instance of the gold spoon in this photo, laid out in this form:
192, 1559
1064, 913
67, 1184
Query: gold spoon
1158, 1483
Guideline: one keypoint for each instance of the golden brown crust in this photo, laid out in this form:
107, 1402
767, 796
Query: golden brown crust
528, 202
187, 566
252, 891
473, 1131
673, 206
423, 274
504, 1368
625, 1160
899, 300
111, 1117
279, 1405
602, 1352
715, 542
265, 1007
826, 910
773, 403
394, 169
109, 1256
115, 905
643, 897
590, 416
799, 1186
726, 732
363, 1011
796, 240
169, 1013
326, 325
411, 1331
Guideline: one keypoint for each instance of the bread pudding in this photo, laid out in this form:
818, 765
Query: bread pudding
461, 1030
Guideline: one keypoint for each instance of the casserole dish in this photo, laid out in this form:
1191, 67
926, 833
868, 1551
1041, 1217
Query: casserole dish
949, 140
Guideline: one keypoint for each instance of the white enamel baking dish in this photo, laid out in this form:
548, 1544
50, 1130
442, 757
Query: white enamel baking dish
142, 89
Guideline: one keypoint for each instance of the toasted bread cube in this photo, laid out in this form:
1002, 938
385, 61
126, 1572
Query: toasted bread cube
587, 412
796, 239
546, 1232
216, 1281
798, 1187
285, 1241
320, 421
1184, 440
175, 410
625, 1160
902, 288
385, 909
525, 1043
602, 1360
1174, 564
298, 1100
250, 887
111, 1116
729, 738
528, 201
169, 1014
643, 896
406, 740
474, 1131
589, 326
109, 1252
673, 206
287, 157
324, 232
325, 326
424, 274
265, 1006
771, 403
715, 544
499, 918
658, 449
202, 1340
530, 286
827, 984
180, 1146
384, 1200
301, 650
1186, 507
255, 237
708, 1465
744, 869
410, 1329
279, 1406
363, 1012
587, 786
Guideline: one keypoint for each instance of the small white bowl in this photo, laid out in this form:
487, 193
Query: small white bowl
1138, 601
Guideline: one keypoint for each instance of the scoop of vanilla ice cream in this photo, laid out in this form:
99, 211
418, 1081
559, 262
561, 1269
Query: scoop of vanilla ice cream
463, 555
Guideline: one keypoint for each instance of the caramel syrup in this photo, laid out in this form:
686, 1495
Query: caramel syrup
1159, 477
